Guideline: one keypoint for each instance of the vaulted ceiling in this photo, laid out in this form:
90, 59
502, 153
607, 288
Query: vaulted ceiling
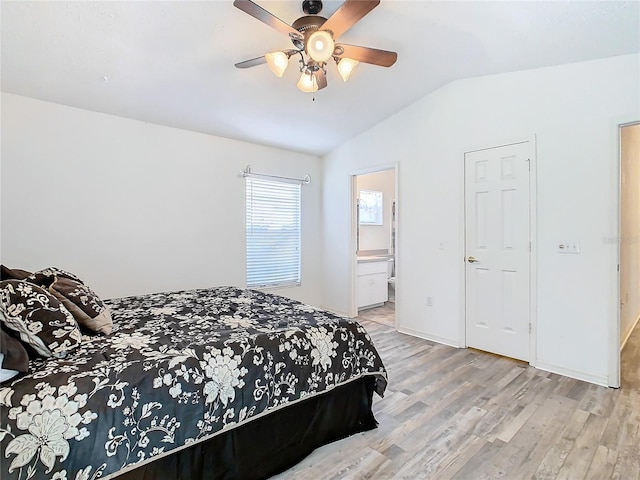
172, 63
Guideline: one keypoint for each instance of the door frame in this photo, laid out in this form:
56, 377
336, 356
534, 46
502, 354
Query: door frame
353, 215
533, 237
615, 346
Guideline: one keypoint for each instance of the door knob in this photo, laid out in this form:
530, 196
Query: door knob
472, 260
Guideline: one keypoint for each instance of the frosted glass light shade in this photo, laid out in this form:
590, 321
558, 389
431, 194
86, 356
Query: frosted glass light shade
346, 66
277, 62
320, 46
307, 83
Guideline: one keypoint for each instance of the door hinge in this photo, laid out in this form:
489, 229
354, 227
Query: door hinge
529, 246
529, 327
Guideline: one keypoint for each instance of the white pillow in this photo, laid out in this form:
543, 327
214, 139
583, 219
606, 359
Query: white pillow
6, 374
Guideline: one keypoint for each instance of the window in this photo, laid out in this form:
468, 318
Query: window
370, 207
273, 233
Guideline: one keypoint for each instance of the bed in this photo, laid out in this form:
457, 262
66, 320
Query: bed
208, 383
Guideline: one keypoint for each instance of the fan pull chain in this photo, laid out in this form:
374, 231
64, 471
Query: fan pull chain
314, 83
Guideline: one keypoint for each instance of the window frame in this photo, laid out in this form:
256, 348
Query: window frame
272, 207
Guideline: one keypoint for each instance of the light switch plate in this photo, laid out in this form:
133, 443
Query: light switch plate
569, 247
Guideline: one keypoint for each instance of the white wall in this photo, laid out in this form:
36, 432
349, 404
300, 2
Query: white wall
630, 231
572, 110
133, 207
378, 237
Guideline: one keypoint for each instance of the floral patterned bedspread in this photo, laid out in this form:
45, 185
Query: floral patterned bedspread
178, 368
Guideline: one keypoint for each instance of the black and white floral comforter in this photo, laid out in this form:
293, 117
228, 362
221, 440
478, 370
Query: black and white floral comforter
178, 368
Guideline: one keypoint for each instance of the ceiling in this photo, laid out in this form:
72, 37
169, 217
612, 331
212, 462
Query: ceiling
172, 63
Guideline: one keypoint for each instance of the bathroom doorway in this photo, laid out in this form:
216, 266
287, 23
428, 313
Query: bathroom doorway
375, 235
629, 253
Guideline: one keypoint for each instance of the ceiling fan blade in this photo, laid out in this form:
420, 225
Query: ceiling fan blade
347, 15
321, 79
256, 11
383, 58
260, 60
251, 63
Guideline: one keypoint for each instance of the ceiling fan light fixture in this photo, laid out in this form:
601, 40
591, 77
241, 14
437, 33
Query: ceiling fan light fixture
307, 83
277, 62
320, 45
346, 66
314, 38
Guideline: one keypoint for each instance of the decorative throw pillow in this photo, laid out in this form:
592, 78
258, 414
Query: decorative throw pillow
7, 273
39, 318
85, 306
47, 276
15, 356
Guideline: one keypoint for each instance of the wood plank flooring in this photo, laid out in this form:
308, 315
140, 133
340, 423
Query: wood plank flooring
462, 414
385, 314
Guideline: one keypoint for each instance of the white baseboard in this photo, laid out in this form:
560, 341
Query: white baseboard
336, 312
628, 334
433, 338
567, 372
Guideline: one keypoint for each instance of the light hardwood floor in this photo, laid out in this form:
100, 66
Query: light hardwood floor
462, 414
386, 314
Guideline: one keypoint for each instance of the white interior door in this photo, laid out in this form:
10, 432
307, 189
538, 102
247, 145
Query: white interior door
498, 250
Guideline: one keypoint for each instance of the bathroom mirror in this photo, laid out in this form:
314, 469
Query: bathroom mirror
370, 207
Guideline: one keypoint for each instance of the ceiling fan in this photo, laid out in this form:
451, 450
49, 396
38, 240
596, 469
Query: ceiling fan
314, 38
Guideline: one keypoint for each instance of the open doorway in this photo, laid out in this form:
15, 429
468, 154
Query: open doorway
629, 248
374, 204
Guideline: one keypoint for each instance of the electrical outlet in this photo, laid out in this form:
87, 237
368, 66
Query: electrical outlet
569, 247
429, 301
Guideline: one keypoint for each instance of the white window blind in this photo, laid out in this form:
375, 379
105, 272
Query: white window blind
273, 233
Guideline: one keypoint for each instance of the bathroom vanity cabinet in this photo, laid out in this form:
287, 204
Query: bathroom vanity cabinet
371, 283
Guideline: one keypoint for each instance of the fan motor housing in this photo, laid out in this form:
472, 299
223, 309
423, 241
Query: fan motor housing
308, 22
307, 25
312, 7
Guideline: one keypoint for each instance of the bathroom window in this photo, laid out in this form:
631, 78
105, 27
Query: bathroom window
370, 207
273, 233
